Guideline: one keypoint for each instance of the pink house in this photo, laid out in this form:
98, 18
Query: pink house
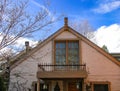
67, 61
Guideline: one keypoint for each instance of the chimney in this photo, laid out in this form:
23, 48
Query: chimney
27, 46
66, 24
65, 21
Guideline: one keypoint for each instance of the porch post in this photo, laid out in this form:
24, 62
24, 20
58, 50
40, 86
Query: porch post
84, 85
38, 85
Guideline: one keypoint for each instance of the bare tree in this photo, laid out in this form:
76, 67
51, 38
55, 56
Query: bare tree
16, 22
84, 28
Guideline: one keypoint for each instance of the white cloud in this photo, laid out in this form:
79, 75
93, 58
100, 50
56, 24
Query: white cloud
107, 7
109, 36
18, 45
21, 42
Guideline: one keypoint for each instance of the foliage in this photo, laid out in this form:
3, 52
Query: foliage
104, 47
2, 86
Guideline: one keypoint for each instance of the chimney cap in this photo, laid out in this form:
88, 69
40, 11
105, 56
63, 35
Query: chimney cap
26, 43
66, 21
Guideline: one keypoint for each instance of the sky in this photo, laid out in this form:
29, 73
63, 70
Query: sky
97, 12
103, 16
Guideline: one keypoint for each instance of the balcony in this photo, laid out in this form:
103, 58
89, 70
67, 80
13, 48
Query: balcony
61, 71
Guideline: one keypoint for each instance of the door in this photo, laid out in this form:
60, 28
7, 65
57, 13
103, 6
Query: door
72, 86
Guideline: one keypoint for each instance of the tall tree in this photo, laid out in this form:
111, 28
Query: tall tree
16, 22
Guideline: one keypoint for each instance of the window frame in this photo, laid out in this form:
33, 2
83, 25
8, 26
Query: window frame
66, 41
102, 83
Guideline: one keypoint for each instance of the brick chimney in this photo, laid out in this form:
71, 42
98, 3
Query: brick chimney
65, 21
27, 46
66, 24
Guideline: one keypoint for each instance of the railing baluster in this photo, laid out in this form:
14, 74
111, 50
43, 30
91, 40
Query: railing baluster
70, 67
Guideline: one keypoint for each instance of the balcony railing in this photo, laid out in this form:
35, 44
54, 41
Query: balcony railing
51, 67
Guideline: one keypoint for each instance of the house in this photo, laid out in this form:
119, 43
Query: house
116, 55
65, 61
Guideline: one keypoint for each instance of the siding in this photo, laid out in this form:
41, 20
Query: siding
100, 67
66, 35
28, 68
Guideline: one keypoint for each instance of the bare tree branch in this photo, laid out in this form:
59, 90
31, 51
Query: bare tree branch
84, 28
16, 22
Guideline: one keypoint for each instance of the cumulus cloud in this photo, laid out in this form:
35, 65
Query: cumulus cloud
21, 42
109, 36
107, 7
19, 45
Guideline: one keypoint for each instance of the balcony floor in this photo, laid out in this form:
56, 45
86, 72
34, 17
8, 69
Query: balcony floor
61, 71
62, 74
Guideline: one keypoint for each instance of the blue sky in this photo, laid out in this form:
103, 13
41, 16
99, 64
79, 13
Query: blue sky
103, 16
97, 12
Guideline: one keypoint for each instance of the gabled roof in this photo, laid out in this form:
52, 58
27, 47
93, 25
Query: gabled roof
66, 28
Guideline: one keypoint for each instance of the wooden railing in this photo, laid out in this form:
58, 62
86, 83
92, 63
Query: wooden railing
51, 67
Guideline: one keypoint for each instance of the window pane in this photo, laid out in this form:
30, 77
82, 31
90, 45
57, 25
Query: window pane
60, 60
60, 53
73, 53
73, 44
60, 44
100, 87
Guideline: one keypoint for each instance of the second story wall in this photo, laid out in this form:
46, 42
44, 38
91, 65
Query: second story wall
25, 72
100, 68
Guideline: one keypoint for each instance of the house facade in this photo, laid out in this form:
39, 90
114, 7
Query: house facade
66, 61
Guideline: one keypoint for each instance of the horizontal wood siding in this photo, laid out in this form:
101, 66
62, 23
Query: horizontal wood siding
100, 67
